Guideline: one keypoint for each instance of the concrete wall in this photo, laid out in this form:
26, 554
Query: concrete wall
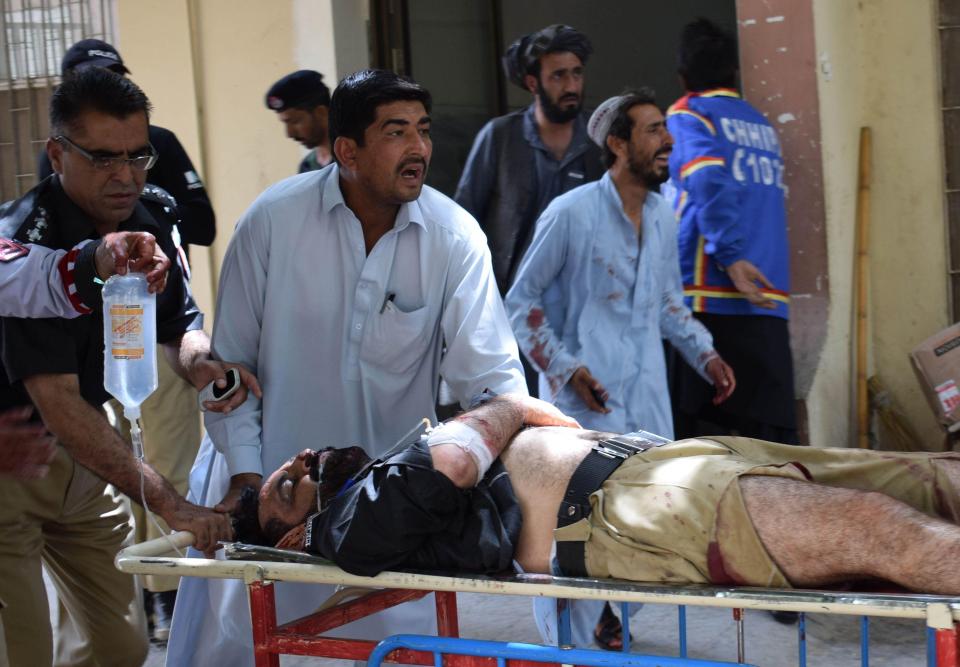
878, 66
206, 65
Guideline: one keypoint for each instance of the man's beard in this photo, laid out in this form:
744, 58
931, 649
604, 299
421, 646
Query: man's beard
647, 171
553, 111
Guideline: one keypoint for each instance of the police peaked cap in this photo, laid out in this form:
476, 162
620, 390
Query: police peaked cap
301, 88
92, 53
523, 54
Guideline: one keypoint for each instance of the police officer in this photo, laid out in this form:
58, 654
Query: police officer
100, 151
170, 417
302, 102
174, 172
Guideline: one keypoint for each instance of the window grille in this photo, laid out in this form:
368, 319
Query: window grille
34, 35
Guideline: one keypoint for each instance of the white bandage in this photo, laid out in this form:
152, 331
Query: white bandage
457, 433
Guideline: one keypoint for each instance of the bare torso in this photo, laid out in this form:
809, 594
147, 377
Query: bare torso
540, 462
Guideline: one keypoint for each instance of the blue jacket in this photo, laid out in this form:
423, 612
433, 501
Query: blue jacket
726, 172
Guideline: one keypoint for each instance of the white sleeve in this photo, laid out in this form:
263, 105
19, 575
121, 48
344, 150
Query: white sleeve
36, 284
236, 339
481, 351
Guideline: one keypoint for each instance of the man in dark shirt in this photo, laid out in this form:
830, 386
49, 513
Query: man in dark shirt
173, 171
302, 103
170, 416
521, 161
100, 152
632, 507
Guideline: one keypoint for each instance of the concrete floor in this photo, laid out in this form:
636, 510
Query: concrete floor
832, 641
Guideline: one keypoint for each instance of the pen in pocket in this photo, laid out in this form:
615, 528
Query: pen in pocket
387, 299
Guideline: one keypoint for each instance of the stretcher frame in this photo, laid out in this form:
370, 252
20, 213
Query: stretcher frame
305, 636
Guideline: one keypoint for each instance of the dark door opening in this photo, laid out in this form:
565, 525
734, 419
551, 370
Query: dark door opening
454, 49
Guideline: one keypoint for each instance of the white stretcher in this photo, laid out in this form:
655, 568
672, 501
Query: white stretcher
305, 636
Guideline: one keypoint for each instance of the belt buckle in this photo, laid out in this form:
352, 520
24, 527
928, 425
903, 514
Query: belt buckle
609, 452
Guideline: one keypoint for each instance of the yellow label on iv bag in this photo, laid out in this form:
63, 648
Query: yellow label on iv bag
126, 331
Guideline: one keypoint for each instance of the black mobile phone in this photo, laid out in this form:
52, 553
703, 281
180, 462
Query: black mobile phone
214, 393
233, 381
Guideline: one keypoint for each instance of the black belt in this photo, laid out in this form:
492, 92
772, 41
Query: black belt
605, 457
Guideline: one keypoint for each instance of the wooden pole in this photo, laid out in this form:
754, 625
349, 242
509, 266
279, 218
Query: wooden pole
863, 285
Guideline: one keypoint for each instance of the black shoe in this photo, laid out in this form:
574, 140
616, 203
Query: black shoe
162, 613
609, 632
785, 617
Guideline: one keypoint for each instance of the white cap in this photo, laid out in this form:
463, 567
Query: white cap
598, 127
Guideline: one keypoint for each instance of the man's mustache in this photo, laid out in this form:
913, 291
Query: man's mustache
570, 97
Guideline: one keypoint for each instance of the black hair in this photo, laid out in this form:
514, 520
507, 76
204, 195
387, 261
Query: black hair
622, 124
94, 89
353, 106
523, 56
246, 519
707, 56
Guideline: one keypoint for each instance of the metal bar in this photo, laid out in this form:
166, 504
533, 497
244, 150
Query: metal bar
625, 627
865, 641
802, 640
150, 558
264, 617
347, 612
494, 649
342, 649
682, 629
448, 623
741, 644
564, 633
947, 655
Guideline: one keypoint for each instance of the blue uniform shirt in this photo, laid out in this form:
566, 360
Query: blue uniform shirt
726, 170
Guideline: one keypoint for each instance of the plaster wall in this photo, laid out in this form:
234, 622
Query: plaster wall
878, 67
206, 66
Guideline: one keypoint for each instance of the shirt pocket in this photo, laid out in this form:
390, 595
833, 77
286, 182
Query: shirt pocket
395, 340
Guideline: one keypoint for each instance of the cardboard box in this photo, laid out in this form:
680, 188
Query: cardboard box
937, 363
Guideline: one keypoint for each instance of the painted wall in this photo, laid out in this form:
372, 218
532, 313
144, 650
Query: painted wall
878, 66
206, 66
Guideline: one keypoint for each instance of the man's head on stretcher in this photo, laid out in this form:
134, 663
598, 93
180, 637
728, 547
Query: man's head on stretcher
714, 510
297, 489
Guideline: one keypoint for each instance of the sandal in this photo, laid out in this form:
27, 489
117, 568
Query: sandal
609, 632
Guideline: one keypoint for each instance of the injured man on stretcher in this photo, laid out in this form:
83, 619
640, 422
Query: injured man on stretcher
486, 488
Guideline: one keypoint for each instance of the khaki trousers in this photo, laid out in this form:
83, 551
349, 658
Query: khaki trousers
675, 513
74, 527
170, 419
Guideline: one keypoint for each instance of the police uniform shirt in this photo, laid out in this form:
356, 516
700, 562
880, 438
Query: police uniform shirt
175, 173
62, 346
406, 514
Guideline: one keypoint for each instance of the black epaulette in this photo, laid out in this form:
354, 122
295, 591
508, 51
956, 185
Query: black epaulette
27, 219
157, 194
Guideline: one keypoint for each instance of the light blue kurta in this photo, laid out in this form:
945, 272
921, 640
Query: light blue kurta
349, 349
590, 293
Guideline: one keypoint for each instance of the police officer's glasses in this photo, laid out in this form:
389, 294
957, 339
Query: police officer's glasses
140, 162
